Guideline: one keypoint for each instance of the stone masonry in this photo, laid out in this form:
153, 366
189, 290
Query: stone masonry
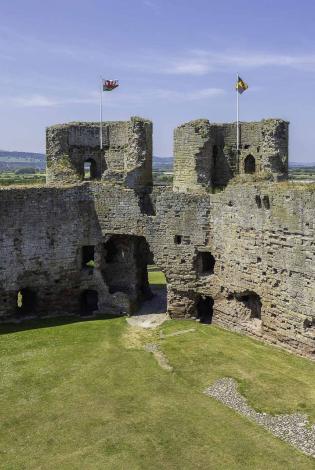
237, 246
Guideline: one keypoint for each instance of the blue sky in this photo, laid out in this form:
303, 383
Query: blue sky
176, 61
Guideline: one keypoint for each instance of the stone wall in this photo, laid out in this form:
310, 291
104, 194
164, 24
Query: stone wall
45, 230
242, 258
206, 157
126, 156
261, 238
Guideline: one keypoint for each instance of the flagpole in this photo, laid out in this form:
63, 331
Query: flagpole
237, 117
101, 113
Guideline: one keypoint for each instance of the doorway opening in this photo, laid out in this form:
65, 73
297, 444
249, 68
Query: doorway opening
26, 302
90, 169
89, 302
128, 267
204, 308
249, 164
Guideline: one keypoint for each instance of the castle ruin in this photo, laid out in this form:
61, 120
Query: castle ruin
234, 239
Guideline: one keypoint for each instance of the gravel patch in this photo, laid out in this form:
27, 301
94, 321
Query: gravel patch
294, 428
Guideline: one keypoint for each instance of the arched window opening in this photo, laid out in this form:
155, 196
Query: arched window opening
252, 302
204, 308
249, 164
90, 169
89, 302
26, 302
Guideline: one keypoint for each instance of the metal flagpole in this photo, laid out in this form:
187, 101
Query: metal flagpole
237, 117
101, 113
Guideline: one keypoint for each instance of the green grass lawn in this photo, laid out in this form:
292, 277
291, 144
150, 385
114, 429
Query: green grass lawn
86, 395
155, 276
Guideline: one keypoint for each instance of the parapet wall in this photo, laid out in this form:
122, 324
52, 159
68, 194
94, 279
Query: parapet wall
206, 154
126, 156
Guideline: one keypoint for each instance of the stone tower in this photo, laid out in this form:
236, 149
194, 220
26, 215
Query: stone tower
126, 156
205, 154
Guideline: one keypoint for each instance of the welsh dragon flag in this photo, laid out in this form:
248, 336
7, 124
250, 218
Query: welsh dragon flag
110, 85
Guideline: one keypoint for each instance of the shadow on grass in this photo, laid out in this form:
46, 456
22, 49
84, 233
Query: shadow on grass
36, 323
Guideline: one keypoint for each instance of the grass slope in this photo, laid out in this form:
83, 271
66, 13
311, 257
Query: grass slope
86, 395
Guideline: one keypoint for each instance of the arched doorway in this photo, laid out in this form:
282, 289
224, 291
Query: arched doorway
128, 268
90, 169
249, 164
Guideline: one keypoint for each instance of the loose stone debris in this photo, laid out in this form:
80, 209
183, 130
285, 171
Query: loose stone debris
294, 428
159, 356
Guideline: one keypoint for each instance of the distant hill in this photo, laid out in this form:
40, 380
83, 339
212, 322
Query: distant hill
162, 164
301, 164
14, 160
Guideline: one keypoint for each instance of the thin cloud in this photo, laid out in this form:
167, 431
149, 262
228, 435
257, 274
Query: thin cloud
42, 101
152, 5
183, 96
203, 62
188, 67
120, 98
197, 62
33, 101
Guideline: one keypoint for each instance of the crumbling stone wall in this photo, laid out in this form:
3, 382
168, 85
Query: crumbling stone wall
206, 156
126, 156
263, 239
242, 258
193, 163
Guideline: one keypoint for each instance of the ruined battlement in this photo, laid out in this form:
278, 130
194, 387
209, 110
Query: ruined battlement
126, 157
243, 258
205, 154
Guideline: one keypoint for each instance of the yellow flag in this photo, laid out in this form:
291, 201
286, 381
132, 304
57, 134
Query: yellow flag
240, 85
